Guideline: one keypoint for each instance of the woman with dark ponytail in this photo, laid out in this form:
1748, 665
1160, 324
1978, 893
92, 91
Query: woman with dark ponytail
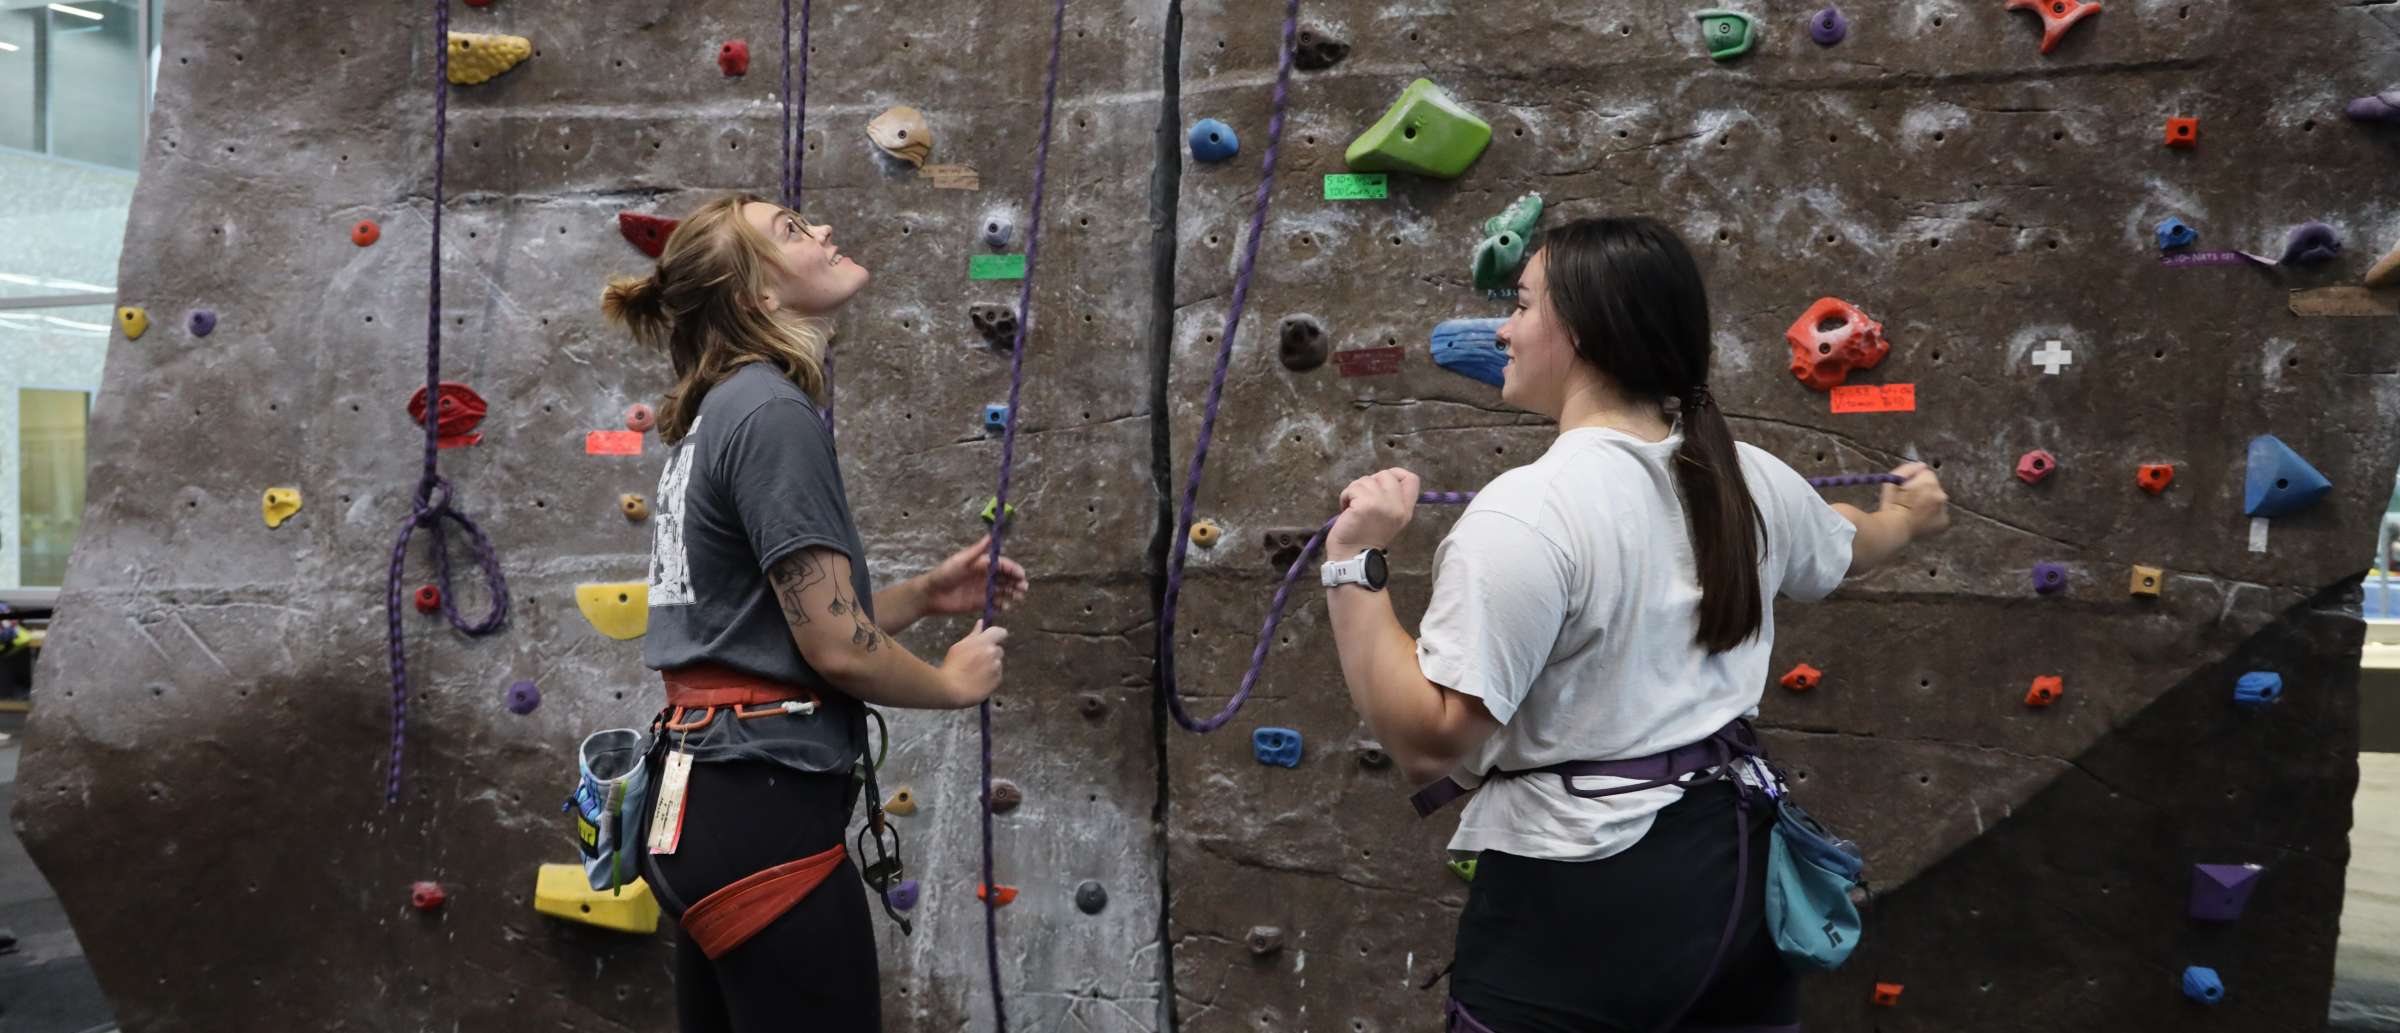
1596, 643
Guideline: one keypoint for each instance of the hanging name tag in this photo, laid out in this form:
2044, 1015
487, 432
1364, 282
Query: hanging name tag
666, 818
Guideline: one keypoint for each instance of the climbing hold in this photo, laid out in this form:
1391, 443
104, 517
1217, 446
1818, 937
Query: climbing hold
1005, 796
1279, 746
1464, 868
648, 233
461, 411
639, 418
2183, 132
902, 804
2311, 243
202, 322
135, 321
1470, 348
365, 233
279, 504
1501, 255
1006, 895
990, 509
1205, 534
1090, 897
1728, 34
2220, 891
1264, 940
2385, 270
1301, 343
429, 599
734, 57
2049, 578
2045, 691
427, 896
2057, 17
2174, 234
1283, 545
617, 609
479, 56
903, 134
2147, 581
2380, 107
2154, 477
1091, 705
1425, 132
634, 507
995, 419
523, 697
998, 231
1318, 51
2279, 482
903, 896
1212, 140
2034, 466
997, 324
2202, 985
1832, 338
2257, 689
1828, 27
563, 891
1887, 994
1371, 755
1802, 678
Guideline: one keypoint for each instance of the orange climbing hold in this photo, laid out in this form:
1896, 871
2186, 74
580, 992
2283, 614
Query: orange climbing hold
365, 233
1802, 678
647, 232
2183, 132
1007, 895
2046, 690
2057, 17
2154, 477
1887, 994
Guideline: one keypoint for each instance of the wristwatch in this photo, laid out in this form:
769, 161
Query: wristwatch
1366, 569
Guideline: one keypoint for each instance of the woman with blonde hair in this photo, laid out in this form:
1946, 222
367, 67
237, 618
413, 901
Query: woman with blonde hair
767, 632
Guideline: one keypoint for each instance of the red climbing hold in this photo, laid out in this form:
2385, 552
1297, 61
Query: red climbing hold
1887, 994
1832, 338
2154, 477
2057, 17
462, 410
2046, 690
1007, 895
429, 599
639, 418
1802, 678
647, 232
427, 896
2183, 132
734, 57
2033, 466
365, 233
479, 3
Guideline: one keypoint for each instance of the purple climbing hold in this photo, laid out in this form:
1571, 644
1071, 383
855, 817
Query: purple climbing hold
523, 697
2049, 578
2382, 107
1828, 27
2312, 243
203, 322
902, 897
2220, 891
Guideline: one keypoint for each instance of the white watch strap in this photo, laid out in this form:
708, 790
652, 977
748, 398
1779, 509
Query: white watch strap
1352, 571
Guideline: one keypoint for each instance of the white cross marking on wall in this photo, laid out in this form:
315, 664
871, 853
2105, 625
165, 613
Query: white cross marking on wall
2052, 358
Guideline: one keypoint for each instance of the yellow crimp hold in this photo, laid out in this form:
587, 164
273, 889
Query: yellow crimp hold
279, 505
902, 804
618, 609
480, 56
134, 320
561, 891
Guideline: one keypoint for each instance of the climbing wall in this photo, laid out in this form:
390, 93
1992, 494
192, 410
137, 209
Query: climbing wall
207, 764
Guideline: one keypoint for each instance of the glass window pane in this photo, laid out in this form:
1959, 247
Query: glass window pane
94, 75
50, 427
20, 53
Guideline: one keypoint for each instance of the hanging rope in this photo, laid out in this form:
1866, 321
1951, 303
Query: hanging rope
432, 503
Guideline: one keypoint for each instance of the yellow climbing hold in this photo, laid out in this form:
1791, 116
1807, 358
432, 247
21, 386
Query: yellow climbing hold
561, 891
134, 320
618, 609
902, 804
280, 504
479, 56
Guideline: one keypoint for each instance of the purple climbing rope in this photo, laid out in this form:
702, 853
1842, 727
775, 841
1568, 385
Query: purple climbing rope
432, 502
795, 130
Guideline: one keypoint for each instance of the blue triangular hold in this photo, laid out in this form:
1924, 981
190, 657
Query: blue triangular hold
1470, 348
2279, 482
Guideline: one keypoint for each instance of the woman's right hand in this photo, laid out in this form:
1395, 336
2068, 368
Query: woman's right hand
973, 665
1919, 499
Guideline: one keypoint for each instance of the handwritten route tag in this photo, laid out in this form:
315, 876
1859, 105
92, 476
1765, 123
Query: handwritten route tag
1875, 398
1357, 186
996, 267
1368, 362
953, 177
613, 443
2345, 301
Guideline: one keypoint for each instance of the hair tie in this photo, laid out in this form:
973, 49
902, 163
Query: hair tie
1697, 396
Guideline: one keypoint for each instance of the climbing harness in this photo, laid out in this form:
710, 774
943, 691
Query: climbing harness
433, 499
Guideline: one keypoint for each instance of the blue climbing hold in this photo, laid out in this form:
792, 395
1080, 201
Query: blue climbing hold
1276, 746
2202, 985
995, 419
1214, 141
2279, 482
2173, 234
2257, 689
1470, 348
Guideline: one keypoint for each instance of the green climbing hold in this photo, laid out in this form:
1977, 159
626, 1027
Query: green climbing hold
1502, 254
1729, 34
991, 506
1465, 870
1426, 132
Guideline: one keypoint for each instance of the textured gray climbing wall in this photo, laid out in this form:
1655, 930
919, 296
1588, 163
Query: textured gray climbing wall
206, 764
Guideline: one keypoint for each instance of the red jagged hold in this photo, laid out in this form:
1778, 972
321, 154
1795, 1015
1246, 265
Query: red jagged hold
2057, 17
647, 232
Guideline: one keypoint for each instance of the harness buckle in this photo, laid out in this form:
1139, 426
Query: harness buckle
805, 707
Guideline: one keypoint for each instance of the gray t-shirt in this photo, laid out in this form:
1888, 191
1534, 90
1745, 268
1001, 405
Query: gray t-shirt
754, 481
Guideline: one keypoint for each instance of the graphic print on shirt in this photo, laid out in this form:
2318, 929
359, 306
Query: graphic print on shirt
670, 563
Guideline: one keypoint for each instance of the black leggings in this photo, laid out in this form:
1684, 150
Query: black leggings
814, 967
1616, 945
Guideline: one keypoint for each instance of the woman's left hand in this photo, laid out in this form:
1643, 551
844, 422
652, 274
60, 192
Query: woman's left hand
1375, 509
955, 585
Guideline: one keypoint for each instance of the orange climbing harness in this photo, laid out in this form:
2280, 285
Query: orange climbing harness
725, 919
706, 688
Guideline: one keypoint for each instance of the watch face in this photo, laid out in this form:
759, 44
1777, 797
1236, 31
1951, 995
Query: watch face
1376, 571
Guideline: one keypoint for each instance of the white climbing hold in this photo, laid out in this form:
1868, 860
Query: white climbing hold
2052, 356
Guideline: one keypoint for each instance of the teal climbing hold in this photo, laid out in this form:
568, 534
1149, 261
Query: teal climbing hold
1729, 34
1502, 254
2279, 482
1426, 132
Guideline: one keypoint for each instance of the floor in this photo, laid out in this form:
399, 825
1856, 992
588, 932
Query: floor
45, 986
2366, 982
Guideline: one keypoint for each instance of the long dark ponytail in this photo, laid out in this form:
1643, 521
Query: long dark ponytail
1629, 292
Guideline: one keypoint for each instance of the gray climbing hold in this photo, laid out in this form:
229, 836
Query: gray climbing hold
1091, 897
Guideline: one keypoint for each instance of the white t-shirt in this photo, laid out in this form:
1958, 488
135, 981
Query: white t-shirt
1566, 598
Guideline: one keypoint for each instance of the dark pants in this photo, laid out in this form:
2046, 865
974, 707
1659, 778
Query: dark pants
811, 969
1617, 945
